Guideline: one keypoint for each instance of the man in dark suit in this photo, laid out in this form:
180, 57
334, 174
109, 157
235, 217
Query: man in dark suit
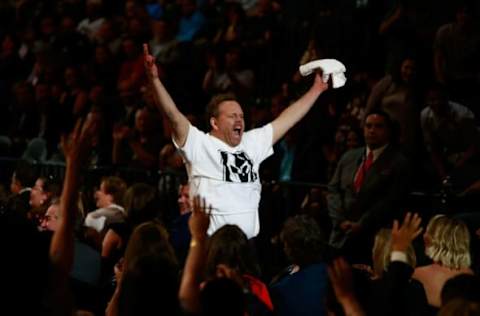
366, 189
22, 180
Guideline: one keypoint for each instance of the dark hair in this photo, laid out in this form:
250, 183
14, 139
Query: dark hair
223, 296
140, 203
116, 187
229, 245
212, 109
460, 307
464, 286
151, 273
392, 126
387, 118
436, 86
24, 173
303, 240
51, 185
397, 67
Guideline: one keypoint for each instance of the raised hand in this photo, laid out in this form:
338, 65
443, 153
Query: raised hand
340, 275
120, 132
200, 219
403, 236
319, 84
149, 61
77, 145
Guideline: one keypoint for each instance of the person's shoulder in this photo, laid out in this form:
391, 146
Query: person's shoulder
445, 30
353, 154
461, 110
254, 133
423, 272
395, 153
426, 112
384, 82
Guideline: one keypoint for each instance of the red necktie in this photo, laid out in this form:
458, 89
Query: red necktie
362, 171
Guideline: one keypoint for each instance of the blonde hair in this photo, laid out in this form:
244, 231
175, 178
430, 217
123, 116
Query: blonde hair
450, 242
382, 249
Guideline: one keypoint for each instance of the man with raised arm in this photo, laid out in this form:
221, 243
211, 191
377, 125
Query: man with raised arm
223, 164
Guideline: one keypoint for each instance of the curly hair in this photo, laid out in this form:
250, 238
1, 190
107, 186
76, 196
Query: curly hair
303, 240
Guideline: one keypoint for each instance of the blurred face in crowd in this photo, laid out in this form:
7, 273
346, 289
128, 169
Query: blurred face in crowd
143, 122
437, 101
38, 196
352, 140
49, 221
376, 131
71, 77
229, 125
407, 70
101, 55
129, 48
184, 199
102, 198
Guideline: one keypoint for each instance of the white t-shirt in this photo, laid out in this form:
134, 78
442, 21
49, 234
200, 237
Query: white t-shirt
227, 177
102, 217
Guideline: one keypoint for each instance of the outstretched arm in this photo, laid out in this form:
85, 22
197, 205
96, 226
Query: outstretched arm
295, 112
165, 104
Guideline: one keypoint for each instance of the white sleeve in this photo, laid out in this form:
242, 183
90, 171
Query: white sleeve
259, 142
190, 148
398, 256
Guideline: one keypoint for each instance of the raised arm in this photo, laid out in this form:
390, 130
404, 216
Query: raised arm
189, 293
62, 244
295, 112
164, 102
76, 150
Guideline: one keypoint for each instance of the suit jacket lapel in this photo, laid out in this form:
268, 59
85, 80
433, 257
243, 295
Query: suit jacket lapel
376, 169
358, 160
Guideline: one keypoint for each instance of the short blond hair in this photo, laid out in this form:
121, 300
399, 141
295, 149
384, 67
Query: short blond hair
450, 242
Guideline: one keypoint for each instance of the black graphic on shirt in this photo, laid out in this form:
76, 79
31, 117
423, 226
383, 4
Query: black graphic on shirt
237, 167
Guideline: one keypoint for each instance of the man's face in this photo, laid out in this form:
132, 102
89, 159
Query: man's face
102, 198
142, 121
375, 131
38, 196
184, 199
50, 220
230, 124
407, 70
438, 103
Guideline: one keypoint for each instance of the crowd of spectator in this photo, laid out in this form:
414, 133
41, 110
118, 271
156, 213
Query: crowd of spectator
74, 91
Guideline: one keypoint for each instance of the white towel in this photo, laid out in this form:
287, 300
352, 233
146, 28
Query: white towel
329, 67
